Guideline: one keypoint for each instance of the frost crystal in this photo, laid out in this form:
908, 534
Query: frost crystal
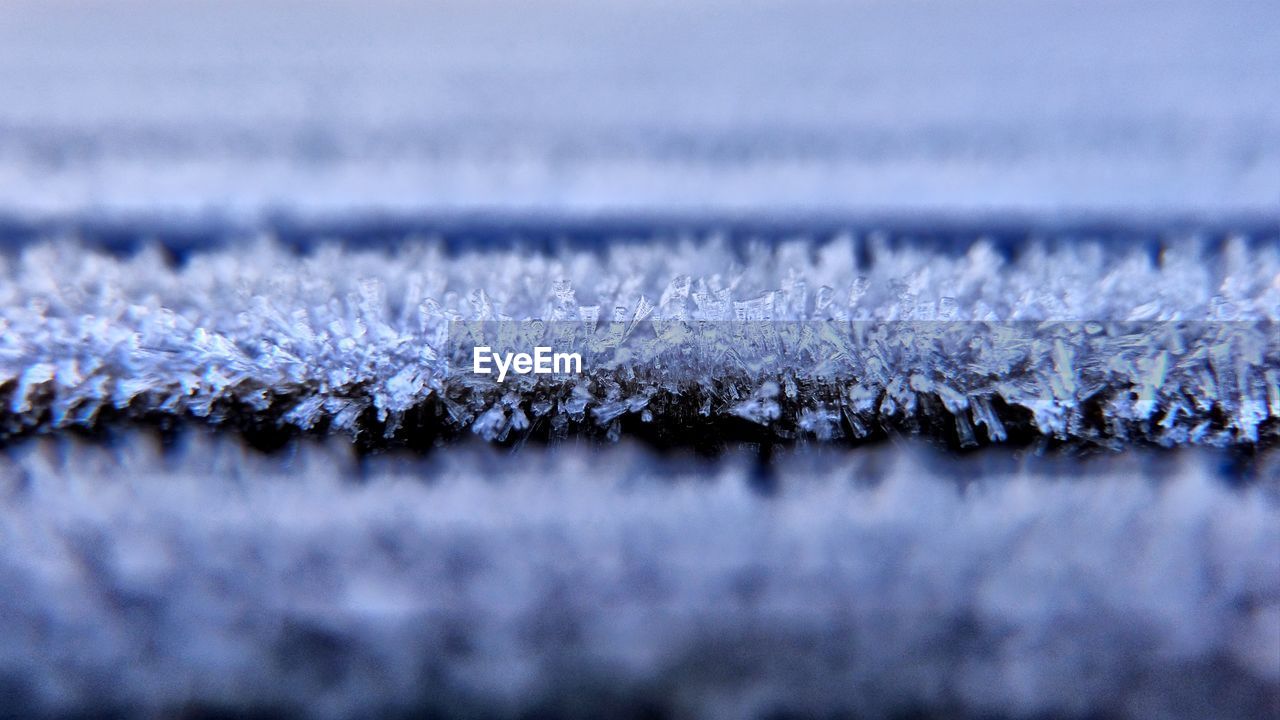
1070, 339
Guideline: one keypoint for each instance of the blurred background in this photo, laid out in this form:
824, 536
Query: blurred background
194, 109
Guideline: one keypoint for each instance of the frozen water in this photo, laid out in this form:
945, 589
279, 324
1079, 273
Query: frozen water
484, 583
1074, 341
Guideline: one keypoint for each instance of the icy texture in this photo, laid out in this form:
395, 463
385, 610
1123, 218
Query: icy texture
1068, 340
253, 106
870, 583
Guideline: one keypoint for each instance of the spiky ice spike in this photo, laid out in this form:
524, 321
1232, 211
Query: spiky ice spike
1071, 340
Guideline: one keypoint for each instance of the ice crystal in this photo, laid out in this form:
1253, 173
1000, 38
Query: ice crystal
1071, 339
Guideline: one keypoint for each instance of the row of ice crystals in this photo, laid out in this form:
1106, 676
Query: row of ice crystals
341, 332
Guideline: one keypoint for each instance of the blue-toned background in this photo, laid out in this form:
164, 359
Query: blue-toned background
620, 106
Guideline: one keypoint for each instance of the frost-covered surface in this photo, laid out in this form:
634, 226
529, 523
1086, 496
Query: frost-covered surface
826, 338
881, 581
250, 106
